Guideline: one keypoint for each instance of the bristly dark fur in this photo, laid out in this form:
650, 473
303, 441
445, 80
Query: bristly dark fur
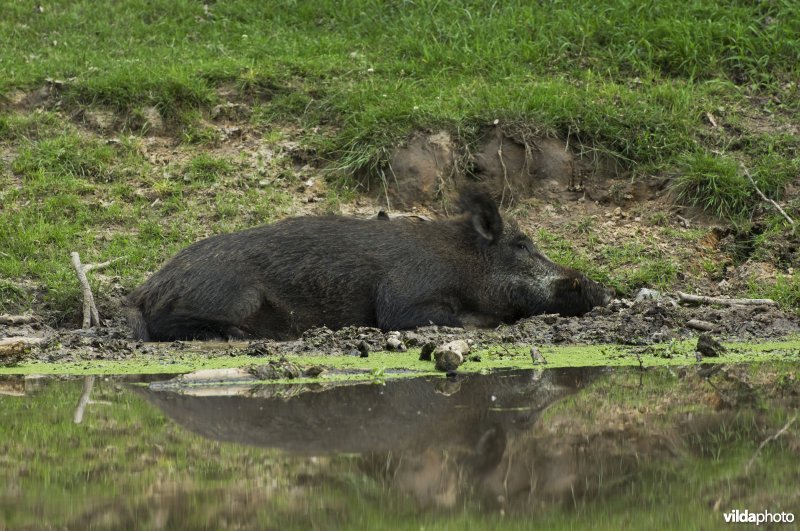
279, 280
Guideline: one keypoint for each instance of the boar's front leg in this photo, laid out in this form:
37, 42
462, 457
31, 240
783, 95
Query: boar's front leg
397, 311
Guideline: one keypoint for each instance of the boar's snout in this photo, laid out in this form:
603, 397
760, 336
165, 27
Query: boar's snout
576, 294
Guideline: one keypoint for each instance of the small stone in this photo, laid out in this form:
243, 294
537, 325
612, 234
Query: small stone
412, 339
459, 346
313, 371
447, 360
258, 348
646, 294
394, 344
475, 357
617, 305
450, 356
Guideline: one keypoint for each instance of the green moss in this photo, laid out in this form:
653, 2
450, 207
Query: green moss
401, 364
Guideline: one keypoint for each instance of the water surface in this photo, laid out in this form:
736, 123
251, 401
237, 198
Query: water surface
562, 448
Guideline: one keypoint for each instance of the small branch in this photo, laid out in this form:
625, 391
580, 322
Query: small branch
765, 198
101, 265
766, 441
90, 315
506, 184
698, 324
6, 319
88, 383
703, 299
683, 220
15, 349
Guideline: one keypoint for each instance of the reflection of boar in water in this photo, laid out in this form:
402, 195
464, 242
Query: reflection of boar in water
278, 280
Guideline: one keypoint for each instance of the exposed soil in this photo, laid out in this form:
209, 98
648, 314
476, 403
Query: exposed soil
430, 169
624, 322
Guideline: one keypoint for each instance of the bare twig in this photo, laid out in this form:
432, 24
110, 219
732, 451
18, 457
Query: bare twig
698, 324
6, 319
101, 265
766, 441
90, 315
703, 299
765, 198
506, 184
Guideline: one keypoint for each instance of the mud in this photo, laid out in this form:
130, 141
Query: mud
624, 322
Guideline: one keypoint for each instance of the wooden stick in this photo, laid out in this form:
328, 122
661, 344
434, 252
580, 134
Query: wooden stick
703, 299
17, 344
698, 324
6, 319
90, 315
101, 265
765, 198
506, 184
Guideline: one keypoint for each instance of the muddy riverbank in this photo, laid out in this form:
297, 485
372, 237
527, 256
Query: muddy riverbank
659, 327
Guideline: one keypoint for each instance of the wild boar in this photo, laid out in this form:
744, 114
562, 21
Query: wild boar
275, 281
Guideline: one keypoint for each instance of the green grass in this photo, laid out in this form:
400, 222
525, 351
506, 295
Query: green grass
718, 184
206, 169
625, 268
634, 81
566, 68
68, 192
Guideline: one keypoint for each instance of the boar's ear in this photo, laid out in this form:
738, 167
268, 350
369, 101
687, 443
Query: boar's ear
484, 216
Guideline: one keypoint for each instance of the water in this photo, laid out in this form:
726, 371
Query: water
561, 448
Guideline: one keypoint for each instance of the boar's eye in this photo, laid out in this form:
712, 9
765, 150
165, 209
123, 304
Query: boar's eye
524, 246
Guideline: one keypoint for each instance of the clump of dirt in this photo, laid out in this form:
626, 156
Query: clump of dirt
657, 321
420, 171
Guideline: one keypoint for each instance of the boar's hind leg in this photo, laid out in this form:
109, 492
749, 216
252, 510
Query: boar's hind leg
243, 315
185, 326
395, 312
